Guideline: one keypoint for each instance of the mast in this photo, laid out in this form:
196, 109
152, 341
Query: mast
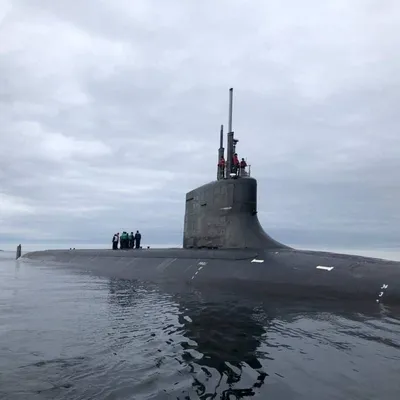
230, 144
230, 110
221, 152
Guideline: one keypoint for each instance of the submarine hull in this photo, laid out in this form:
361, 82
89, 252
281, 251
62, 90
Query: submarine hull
250, 273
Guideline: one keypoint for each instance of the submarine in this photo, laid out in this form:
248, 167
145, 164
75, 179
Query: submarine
225, 248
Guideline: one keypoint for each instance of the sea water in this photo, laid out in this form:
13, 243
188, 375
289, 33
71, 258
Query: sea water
70, 335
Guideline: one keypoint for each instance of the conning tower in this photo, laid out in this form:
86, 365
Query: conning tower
223, 214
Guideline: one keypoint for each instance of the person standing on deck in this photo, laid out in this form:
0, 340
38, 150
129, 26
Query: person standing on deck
115, 242
124, 240
235, 162
221, 167
243, 165
131, 240
138, 238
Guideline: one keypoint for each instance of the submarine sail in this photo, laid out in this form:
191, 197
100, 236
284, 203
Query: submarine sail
223, 214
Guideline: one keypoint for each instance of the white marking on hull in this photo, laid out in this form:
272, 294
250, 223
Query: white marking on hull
201, 265
324, 268
257, 261
383, 288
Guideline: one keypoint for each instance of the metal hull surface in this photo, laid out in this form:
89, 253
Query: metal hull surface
253, 273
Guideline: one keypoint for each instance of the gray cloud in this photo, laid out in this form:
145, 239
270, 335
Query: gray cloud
110, 112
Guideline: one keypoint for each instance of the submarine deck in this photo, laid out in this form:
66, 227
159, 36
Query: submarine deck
202, 253
251, 272
210, 254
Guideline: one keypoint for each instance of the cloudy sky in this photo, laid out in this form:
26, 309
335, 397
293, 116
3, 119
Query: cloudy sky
110, 112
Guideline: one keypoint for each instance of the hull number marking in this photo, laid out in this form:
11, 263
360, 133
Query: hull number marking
382, 292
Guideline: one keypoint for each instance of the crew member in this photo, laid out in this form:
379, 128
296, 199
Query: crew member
235, 162
243, 166
221, 167
115, 242
131, 240
124, 240
138, 238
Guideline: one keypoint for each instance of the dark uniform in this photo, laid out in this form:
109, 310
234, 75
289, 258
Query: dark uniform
131, 240
138, 238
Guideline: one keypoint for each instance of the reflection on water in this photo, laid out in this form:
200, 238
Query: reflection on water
67, 335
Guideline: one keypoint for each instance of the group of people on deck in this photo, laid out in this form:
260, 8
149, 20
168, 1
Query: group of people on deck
238, 167
126, 240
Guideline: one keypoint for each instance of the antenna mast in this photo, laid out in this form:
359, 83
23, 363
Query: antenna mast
230, 144
221, 151
230, 110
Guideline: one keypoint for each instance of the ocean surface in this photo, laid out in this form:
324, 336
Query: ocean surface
69, 335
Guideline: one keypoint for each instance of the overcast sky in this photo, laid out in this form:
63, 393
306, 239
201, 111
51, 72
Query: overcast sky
110, 112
